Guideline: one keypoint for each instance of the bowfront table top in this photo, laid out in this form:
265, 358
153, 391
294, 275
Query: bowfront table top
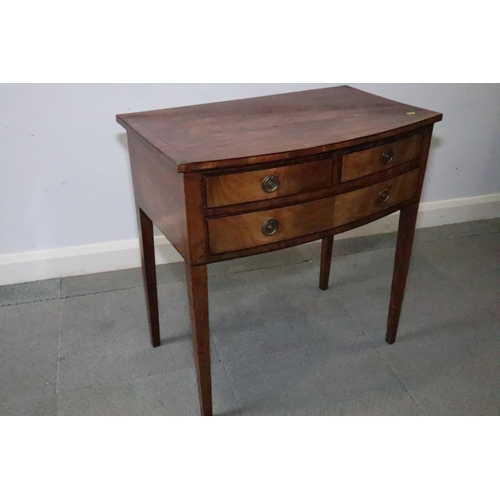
273, 127
237, 178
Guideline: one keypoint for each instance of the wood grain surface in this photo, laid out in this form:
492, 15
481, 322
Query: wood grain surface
228, 234
363, 202
369, 161
244, 187
273, 127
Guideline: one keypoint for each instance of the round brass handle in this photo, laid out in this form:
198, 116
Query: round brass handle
270, 227
387, 157
270, 183
383, 196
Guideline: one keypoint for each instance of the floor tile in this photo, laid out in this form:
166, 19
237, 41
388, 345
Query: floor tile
454, 231
365, 244
36, 407
105, 337
493, 308
430, 295
174, 393
495, 224
473, 228
359, 268
437, 233
88, 284
34, 291
270, 310
453, 366
29, 338
278, 258
75, 286
472, 263
344, 378
447, 250
457, 231
488, 247
312, 251
480, 279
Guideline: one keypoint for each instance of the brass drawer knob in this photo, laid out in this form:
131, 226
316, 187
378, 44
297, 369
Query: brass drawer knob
270, 183
270, 227
387, 157
383, 196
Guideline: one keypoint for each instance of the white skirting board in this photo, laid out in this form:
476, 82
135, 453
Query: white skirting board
116, 255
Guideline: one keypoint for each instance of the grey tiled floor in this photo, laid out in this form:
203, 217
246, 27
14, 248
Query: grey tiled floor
280, 346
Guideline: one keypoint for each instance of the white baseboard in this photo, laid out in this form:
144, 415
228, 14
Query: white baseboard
116, 255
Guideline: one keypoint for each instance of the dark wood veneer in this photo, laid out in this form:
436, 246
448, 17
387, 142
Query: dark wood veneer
243, 231
242, 187
274, 127
371, 160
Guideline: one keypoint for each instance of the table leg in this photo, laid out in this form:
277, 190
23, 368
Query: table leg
406, 232
197, 286
326, 260
149, 274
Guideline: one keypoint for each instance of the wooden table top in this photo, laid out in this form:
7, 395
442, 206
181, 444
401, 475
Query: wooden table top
275, 127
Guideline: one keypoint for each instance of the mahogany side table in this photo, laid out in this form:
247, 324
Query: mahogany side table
238, 178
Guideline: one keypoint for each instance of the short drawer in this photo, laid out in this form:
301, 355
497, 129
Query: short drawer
253, 229
243, 187
372, 160
357, 205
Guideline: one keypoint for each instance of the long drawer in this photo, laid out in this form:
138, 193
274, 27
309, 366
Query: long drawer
248, 230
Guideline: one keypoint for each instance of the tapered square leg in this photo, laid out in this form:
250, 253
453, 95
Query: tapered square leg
149, 274
326, 260
406, 233
197, 286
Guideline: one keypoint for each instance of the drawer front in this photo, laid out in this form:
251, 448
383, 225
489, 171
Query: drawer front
231, 189
362, 203
228, 234
370, 161
253, 229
